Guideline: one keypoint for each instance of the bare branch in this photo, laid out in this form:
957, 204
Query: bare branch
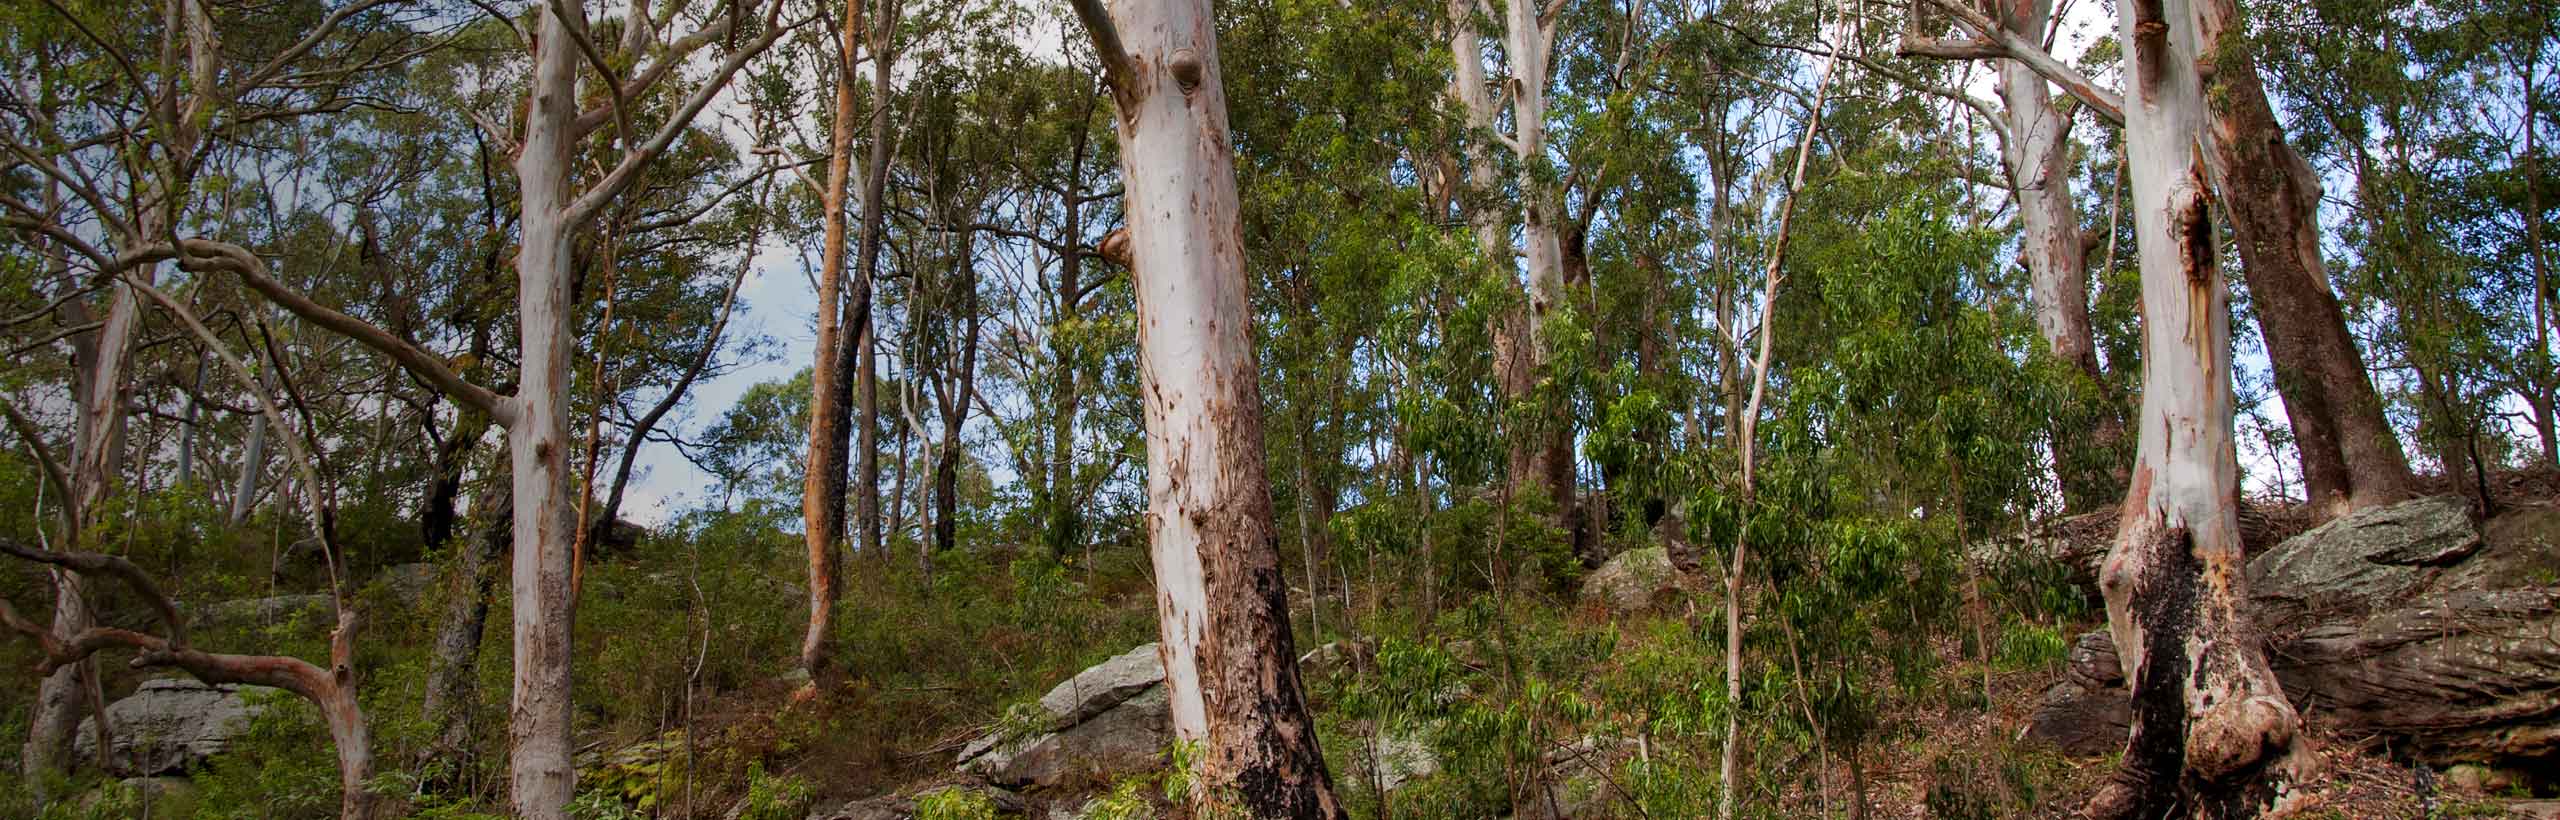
90, 563
634, 161
1994, 40
53, 473
206, 254
49, 339
1118, 70
715, 199
316, 510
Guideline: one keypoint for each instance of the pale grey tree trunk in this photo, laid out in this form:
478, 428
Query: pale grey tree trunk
2213, 735
541, 776
2037, 155
253, 461
1230, 663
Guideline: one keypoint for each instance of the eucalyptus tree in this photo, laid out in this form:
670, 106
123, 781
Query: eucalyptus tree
2034, 133
2439, 234
2213, 735
1541, 456
822, 494
110, 168
1058, 351
1231, 669
848, 367
556, 122
2350, 457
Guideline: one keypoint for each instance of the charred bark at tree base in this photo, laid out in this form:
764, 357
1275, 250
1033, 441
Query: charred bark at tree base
2404, 625
2196, 750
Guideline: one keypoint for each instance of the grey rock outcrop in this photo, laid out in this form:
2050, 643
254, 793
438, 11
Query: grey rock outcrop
1103, 686
1110, 719
1130, 737
170, 726
1635, 581
2403, 622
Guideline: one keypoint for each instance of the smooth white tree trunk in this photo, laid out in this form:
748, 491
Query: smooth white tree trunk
540, 771
2040, 167
2212, 731
1230, 661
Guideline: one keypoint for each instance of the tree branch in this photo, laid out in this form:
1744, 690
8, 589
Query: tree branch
90, 563
53, 473
206, 254
1118, 71
634, 161
314, 508
1993, 40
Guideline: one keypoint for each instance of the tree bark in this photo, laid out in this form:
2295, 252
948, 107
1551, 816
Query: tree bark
449, 698
541, 774
865, 351
253, 462
2037, 155
2213, 735
2351, 459
954, 403
1230, 663
822, 486
1542, 458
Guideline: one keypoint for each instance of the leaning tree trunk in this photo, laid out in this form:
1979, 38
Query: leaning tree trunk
1230, 665
449, 700
2213, 735
540, 770
2351, 459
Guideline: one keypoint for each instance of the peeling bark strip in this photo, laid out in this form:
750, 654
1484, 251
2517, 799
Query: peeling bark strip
2213, 735
1230, 664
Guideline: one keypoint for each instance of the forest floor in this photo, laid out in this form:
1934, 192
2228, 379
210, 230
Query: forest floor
690, 709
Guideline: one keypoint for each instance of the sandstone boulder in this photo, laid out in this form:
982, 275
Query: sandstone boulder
2402, 622
171, 726
1635, 581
